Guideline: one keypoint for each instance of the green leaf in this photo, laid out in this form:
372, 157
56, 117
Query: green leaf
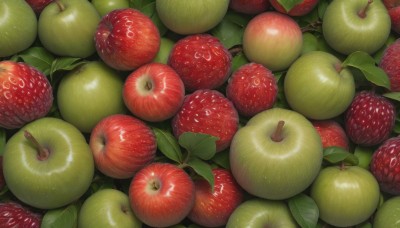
203, 169
139, 4
289, 4
397, 126
321, 7
168, 145
304, 210
65, 217
222, 159
239, 60
229, 31
393, 95
198, 144
2, 140
38, 57
335, 154
65, 63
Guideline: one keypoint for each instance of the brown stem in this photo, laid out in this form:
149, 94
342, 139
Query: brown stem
277, 135
148, 86
43, 153
363, 12
60, 5
342, 166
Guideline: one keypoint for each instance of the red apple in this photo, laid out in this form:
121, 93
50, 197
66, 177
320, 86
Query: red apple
331, 133
25, 94
208, 112
252, 89
38, 5
126, 39
154, 92
393, 7
121, 145
213, 208
201, 61
249, 6
161, 194
300, 9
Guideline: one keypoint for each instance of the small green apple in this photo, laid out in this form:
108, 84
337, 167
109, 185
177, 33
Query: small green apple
166, 46
106, 6
89, 93
18, 27
388, 214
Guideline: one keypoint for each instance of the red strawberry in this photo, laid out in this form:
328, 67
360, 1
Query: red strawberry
207, 112
25, 94
385, 166
38, 5
390, 63
13, 215
370, 119
201, 61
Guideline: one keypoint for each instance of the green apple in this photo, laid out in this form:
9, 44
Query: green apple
388, 214
317, 86
166, 46
364, 155
106, 6
18, 27
261, 213
357, 25
89, 93
191, 16
276, 155
345, 195
107, 208
48, 163
67, 28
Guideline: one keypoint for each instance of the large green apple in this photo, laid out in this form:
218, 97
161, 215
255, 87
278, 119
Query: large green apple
356, 25
191, 16
262, 213
107, 208
106, 6
48, 163
388, 214
67, 27
317, 86
275, 161
18, 27
345, 195
89, 93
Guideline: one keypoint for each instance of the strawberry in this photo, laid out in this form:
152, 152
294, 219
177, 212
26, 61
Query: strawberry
13, 214
25, 94
208, 112
385, 165
370, 119
201, 60
390, 63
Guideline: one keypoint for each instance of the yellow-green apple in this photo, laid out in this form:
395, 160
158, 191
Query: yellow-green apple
191, 16
89, 93
333, 91
15, 214
213, 207
18, 27
276, 155
154, 92
345, 195
207, 112
121, 145
55, 164
252, 88
331, 133
366, 24
107, 208
390, 63
258, 212
393, 7
106, 6
161, 194
67, 27
388, 214
38, 5
272, 39
166, 46
249, 6
297, 8
126, 39
201, 60
26, 94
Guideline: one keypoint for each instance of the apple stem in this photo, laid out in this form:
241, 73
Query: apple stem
363, 12
342, 166
148, 86
43, 152
338, 67
235, 50
60, 5
277, 135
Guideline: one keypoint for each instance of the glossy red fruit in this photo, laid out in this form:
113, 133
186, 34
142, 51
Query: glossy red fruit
213, 208
252, 89
331, 133
249, 6
14, 215
370, 119
208, 112
25, 94
393, 7
38, 5
390, 63
385, 166
300, 9
126, 39
201, 61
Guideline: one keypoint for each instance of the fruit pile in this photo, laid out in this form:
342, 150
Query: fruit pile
199, 113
